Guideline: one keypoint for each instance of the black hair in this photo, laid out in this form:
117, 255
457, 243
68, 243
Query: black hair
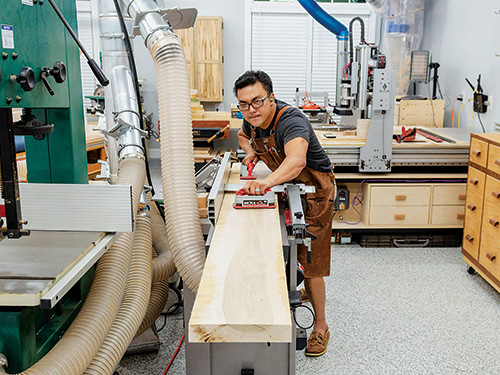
251, 77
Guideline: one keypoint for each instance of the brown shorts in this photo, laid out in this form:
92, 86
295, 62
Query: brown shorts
319, 216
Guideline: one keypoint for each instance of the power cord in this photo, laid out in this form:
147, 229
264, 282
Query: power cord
295, 318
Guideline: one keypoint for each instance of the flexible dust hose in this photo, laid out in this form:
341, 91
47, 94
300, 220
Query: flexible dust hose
179, 189
134, 304
163, 266
79, 345
157, 301
73, 353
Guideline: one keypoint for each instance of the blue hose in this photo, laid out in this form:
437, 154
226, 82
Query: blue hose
324, 19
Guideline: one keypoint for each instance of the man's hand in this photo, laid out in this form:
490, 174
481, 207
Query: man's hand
256, 187
250, 158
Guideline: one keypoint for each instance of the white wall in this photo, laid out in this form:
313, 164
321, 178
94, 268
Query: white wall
232, 12
463, 37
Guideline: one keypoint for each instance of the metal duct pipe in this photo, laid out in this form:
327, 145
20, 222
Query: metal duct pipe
336, 27
127, 129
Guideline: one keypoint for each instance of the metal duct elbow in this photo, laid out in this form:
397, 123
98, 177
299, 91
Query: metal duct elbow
323, 18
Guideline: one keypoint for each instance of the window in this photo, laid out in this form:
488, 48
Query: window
89, 36
296, 51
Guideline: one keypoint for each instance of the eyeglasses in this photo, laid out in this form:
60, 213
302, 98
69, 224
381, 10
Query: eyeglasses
257, 103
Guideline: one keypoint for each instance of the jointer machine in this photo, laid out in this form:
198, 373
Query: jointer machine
243, 318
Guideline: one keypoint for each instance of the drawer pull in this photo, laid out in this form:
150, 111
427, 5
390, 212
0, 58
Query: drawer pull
497, 162
491, 256
399, 217
469, 238
474, 181
400, 197
460, 216
476, 152
494, 222
495, 193
462, 197
471, 207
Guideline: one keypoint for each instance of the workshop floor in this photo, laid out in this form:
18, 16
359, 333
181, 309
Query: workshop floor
390, 311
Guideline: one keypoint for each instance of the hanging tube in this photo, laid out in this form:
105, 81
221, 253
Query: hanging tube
336, 27
323, 18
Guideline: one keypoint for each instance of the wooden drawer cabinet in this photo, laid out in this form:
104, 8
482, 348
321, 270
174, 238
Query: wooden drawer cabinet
481, 243
420, 205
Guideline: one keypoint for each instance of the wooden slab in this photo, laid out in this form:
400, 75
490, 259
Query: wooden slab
243, 295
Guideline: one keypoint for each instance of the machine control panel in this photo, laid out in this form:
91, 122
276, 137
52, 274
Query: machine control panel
33, 61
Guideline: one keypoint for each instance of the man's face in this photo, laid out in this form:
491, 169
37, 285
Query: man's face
262, 116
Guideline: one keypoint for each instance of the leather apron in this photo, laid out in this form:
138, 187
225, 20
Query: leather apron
319, 210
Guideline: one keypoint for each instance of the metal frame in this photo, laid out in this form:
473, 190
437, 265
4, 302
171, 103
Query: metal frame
61, 287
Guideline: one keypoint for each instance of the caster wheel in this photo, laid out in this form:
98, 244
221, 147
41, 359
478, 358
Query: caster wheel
471, 270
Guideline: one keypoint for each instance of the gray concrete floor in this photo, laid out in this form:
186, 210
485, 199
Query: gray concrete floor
390, 311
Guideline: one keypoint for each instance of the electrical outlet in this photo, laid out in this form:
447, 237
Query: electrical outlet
463, 94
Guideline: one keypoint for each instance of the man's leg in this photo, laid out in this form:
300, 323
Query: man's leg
316, 290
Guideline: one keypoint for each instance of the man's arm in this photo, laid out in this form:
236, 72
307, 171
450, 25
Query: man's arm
294, 163
245, 146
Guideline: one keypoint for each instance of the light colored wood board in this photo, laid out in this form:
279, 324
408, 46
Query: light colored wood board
243, 295
428, 113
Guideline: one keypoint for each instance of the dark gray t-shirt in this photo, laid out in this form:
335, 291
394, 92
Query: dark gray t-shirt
293, 124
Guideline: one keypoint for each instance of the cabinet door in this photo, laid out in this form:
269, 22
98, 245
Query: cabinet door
202, 46
186, 38
208, 70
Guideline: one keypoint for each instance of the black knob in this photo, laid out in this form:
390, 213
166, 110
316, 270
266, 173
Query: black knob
26, 78
59, 71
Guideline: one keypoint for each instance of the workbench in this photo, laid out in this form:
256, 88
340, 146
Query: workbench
425, 190
344, 150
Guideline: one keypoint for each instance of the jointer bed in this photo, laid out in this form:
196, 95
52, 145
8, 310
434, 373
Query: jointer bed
241, 318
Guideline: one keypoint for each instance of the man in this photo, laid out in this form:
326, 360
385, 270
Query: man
282, 137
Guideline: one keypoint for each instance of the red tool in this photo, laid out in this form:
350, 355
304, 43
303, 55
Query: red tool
242, 200
247, 175
407, 135
429, 136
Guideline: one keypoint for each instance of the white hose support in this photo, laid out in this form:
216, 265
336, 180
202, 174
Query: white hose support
157, 301
133, 306
177, 161
163, 266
